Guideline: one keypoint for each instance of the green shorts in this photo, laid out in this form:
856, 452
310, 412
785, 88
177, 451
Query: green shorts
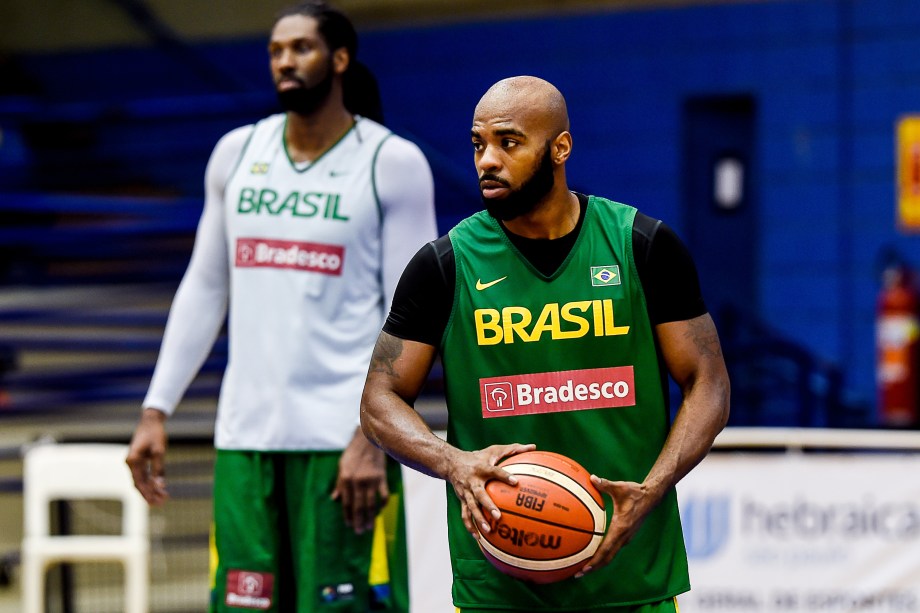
665, 606
281, 544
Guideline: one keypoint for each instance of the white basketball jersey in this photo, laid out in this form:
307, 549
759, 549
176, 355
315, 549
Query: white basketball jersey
306, 302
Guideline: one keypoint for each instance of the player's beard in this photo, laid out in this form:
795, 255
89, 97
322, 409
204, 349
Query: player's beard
307, 100
523, 199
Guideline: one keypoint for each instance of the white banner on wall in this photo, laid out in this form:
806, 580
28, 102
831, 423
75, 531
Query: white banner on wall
765, 532
803, 532
426, 532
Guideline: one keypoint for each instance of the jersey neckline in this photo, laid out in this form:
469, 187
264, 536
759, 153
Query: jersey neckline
588, 211
294, 166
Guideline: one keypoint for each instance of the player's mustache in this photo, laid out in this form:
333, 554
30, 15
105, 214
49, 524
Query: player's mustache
491, 177
290, 77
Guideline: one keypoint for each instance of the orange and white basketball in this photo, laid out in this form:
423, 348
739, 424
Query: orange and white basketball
552, 521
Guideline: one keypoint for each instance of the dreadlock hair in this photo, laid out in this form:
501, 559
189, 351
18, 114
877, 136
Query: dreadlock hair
360, 92
335, 27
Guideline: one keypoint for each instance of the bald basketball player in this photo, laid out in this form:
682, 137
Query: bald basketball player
558, 317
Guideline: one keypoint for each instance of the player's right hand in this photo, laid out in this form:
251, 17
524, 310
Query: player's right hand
468, 474
146, 456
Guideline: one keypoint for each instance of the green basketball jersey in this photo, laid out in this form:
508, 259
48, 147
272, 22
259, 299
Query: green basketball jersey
567, 362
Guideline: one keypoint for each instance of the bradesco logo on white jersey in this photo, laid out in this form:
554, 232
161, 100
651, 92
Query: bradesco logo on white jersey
555, 392
270, 253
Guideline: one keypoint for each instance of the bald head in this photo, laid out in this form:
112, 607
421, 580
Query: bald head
521, 142
529, 101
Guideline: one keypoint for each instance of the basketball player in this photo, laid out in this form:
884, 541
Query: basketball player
558, 317
309, 218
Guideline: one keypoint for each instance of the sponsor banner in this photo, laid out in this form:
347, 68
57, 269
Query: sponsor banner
554, 392
795, 532
249, 590
908, 137
271, 253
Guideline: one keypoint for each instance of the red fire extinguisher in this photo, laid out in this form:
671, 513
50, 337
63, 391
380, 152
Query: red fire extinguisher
898, 349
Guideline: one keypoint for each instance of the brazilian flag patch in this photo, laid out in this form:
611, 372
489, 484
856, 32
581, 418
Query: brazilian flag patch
605, 275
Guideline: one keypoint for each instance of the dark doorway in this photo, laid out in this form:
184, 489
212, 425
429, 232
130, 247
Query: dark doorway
720, 208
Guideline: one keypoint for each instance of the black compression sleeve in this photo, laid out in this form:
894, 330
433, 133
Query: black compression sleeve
424, 295
667, 272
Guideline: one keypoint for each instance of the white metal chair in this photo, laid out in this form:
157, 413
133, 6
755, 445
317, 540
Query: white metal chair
75, 472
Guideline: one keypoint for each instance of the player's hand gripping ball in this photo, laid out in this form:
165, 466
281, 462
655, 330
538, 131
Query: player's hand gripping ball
552, 522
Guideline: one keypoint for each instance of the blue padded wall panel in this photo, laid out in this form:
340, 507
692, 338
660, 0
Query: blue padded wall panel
829, 79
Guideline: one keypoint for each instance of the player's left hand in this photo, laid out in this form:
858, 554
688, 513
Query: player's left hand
631, 503
362, 483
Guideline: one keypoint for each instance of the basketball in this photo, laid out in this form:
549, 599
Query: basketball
552, 521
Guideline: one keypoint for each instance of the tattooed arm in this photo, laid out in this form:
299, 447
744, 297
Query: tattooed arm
694, 358
397, 372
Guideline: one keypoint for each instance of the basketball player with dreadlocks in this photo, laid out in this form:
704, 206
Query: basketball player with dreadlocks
310, 216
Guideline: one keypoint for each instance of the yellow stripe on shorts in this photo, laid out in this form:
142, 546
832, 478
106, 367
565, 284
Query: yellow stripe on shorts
212, 558
385, 526
379, 572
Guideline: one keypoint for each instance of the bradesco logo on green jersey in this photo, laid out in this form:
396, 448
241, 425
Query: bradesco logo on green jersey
556, 392
295, 204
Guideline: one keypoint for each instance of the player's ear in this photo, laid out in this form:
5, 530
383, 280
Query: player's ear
340, 60
562, 147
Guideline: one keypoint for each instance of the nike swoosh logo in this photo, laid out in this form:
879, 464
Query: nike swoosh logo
481, 286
